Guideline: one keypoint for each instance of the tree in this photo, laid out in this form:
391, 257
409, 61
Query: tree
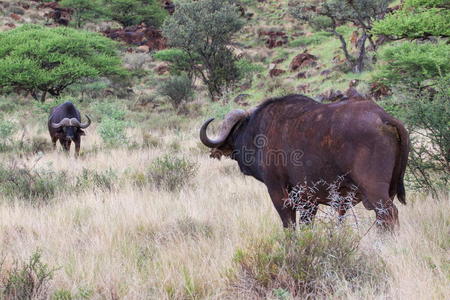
329, 15
419, 69
423, 60
203, 31
45, 60
83, 9
134, 12
417, 19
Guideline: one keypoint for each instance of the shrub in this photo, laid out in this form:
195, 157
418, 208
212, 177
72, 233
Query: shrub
27, 281
203, 30
29, 185
247, 69
112, 110
178, 89
112, 131
7, 129
42, 59
171, 173
179, 61
134, 12
84, 10
305, 263
413, 64
426, 116
96, 179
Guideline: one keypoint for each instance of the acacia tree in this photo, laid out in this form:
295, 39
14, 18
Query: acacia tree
42, 60
203, 31
83, 9
419, 67
134, 12
328, 15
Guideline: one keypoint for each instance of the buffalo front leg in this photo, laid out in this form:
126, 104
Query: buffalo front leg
77, 147
54, 140
307, 212
287, 214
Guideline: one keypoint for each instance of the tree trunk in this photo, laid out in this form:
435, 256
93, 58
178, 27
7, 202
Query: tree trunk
43, 96
359, 64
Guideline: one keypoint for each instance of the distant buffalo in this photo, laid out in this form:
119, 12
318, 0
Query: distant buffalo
308, 153
64, 124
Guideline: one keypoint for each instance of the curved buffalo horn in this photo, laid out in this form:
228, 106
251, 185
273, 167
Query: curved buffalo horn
63, 122
85, 125
231, 119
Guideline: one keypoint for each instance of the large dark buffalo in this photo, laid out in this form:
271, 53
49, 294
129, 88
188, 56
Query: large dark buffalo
295, 145
64, 124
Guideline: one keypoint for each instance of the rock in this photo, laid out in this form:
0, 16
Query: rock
303, 88
162, 69
276, 72
353, 95
302, 75
16, 17
331, 96
143, 49
138, 35
326, 72
274, 38
379, 90
240, 99
278, 61
303, 60
17, 10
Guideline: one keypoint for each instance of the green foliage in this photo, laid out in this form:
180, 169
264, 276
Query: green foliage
305, 262
203, 30
427, 3
426, 115
413, 64
30, 185
84, 10
134, 12
179, 60
178, 89
329, 15
247, 69
111, 110
314, 39
26, 281
7, 129
113, 131
171, 173
103, 180
415, 24
42, 59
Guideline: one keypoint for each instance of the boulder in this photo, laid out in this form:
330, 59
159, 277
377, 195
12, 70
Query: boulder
276, 72
303, 60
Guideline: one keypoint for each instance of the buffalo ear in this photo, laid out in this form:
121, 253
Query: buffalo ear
81, 132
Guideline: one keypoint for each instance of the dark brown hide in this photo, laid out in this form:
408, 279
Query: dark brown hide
295, 140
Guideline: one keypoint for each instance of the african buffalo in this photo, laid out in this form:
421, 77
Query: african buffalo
64, 124
295, 144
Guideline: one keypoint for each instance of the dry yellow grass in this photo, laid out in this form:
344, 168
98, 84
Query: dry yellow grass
144, 243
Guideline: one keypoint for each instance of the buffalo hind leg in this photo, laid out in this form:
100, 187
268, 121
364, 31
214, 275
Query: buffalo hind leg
307, 212
287, 214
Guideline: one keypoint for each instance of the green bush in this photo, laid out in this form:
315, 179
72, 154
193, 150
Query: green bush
26, 281
134, 12
179, 61
113, 131
413, 64
203, 30
39, 59
314, 39
7, 129
171, 173
112, 110
178, 89
31, 186
414, 24
304, 263
83, 10
247, 69
426, 116
96, 179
